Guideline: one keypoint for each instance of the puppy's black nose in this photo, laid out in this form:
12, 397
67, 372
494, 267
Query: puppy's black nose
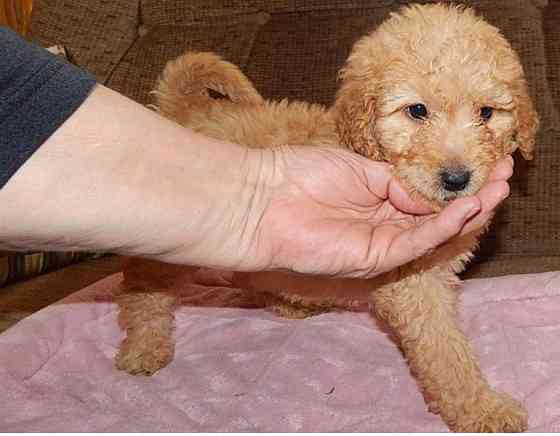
455, 179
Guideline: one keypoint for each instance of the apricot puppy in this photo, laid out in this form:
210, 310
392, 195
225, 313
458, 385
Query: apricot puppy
437, 92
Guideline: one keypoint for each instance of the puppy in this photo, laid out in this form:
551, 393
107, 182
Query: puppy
435, 91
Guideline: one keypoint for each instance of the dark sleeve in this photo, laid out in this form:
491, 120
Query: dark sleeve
38, 92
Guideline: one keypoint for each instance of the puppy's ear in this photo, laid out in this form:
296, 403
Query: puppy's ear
354, 111
527, 122
355, 105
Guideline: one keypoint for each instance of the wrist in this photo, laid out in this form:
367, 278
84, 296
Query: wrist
224, 233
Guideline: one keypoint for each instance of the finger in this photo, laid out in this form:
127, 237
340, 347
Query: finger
383, 184
401, 199
433, 232
503, 169
490, 196
377, 176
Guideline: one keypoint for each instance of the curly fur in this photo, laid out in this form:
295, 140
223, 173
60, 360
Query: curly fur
453, 62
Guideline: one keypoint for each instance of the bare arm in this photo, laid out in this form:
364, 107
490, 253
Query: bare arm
118, 177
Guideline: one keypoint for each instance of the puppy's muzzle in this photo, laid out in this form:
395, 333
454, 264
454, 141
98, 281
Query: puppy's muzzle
455, 179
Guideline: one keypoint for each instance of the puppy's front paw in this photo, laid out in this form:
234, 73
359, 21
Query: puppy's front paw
492, 413
144, 355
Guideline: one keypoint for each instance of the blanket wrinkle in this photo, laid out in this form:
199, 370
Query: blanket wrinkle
513, 350
522, 299
268, 364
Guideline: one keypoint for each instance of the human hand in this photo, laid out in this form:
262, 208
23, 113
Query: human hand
336, 213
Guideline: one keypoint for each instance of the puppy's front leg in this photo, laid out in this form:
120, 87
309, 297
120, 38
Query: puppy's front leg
420, 309
148, 320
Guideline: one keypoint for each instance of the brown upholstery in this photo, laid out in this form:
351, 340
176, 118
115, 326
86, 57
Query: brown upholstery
293, 48
97, 33
552, 46
162, 39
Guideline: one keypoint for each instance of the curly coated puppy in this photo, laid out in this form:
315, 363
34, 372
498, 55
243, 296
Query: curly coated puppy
435, 91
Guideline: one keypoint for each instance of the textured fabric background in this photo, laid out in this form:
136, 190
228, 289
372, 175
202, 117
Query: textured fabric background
552, 45
161, 40
97, 33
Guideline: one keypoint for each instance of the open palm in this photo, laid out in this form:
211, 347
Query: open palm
336, 213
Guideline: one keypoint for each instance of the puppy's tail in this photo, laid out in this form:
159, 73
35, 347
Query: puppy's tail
194, 82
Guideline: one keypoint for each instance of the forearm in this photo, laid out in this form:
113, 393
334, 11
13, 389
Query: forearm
117, 177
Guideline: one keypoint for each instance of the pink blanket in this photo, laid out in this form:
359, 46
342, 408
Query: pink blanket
248, 370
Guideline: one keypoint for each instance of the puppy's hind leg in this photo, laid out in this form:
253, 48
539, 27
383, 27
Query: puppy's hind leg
148, 321
420, 309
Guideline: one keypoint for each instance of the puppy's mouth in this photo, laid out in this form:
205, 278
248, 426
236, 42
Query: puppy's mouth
442, 186
444, 197
445, 191
448, 197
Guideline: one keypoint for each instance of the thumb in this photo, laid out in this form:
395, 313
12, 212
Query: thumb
431, 233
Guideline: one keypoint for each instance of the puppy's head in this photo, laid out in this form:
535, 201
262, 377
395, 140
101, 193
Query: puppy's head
438, 93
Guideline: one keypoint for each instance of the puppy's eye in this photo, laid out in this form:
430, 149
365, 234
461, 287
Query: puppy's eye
417, 111
486, 113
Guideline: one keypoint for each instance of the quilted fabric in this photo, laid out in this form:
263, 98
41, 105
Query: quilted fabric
248, 370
